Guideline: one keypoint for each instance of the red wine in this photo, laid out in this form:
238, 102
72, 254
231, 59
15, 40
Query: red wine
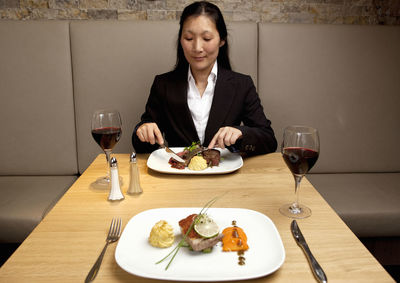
299, 160
106, 137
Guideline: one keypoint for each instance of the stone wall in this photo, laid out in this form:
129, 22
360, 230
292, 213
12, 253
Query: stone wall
369, 12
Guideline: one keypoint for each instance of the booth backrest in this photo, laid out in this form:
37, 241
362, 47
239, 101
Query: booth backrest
37, 110
343, 80
114, 64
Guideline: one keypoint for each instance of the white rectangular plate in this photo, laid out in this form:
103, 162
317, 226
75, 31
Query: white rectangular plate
265, 255
158, 161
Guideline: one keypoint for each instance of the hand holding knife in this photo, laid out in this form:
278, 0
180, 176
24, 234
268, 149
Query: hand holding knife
315, 267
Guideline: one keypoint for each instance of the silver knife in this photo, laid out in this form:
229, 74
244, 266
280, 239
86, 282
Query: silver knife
170, 151
172, 154
315, 267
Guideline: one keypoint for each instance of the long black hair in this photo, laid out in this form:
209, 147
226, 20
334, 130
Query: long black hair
212, 11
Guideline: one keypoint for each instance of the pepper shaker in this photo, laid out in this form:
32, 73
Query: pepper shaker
115, 190
134, 183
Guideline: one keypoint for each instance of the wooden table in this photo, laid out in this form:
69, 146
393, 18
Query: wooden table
64, 246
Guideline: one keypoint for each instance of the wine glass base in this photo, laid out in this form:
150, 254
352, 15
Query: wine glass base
105, 181
298, 212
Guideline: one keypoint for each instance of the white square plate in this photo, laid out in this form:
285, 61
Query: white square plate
265, 255
158, 161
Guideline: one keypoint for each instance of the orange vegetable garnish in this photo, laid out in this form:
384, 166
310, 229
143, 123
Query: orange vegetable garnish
234, 239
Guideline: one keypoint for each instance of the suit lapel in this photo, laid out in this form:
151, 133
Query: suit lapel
177, 100
224, 95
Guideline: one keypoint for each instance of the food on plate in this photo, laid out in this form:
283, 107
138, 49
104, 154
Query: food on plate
212, 156
204, 226
176, 164
162, 235
195, 151
234, 239
203, 233
197, 163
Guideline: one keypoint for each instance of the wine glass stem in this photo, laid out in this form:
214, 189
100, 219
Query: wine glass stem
108, 155
297, 180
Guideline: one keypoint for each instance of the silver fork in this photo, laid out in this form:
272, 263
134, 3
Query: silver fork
113, 235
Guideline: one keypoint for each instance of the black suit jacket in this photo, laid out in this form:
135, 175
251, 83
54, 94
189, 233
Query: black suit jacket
235, 103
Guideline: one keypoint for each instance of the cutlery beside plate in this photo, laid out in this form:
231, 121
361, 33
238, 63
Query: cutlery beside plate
301, 241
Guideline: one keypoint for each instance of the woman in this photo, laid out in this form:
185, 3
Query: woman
202, 99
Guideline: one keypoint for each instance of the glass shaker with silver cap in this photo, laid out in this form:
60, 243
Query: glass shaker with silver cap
115, 190
134, 183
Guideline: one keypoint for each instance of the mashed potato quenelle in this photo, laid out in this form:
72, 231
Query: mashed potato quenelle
162, 235
197, 163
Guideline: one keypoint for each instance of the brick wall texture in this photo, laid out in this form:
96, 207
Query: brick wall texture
364, 12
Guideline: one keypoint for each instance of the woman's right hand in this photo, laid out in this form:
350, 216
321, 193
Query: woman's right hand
149, 132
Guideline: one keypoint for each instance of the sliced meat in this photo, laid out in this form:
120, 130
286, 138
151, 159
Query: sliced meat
186, 155
185, 225
212, 156
195, 240
176, 164
201, 244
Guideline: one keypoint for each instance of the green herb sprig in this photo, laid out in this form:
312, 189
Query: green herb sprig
182, 242
193, 146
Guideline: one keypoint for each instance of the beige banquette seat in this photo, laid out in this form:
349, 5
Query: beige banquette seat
38, 157
343, 80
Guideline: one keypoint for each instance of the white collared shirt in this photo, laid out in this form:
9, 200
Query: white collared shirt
200, 106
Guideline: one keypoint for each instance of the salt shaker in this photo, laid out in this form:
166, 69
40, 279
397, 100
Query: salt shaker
115, 190
134, 183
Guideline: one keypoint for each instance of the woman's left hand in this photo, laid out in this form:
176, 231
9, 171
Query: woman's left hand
225, 136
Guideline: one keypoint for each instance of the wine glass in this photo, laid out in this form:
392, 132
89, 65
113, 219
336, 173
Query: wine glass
106, 131
300, 150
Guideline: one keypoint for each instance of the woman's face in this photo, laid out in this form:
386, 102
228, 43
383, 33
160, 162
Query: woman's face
200, 42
